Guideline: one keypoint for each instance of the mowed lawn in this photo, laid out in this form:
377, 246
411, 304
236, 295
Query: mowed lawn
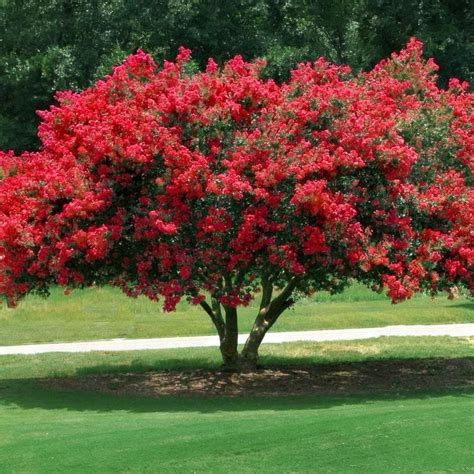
47, 430
102, 313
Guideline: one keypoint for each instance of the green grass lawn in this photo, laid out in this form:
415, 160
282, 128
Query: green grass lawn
45, 430
66, 432
49, 430
103, 313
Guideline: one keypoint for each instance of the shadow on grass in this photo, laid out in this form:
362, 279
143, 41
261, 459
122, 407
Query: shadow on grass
399, 379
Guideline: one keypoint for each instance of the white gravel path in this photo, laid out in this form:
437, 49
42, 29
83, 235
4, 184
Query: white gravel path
455, 330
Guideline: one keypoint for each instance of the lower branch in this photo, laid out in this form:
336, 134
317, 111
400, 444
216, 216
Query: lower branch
262, 324
265, 319
216, 317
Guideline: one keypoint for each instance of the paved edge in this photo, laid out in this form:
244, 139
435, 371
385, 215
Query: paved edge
453, 330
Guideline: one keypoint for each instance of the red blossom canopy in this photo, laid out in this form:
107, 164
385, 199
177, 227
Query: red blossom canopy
171, 184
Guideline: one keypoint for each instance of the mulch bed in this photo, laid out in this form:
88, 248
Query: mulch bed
324, 379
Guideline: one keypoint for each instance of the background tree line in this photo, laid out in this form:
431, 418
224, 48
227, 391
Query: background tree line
46, 45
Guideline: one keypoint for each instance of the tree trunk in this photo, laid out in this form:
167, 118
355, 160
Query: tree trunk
262, 324
227, 327
266, 318
230, 354
250, 350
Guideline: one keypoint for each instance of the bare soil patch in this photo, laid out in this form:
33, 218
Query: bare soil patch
344, 378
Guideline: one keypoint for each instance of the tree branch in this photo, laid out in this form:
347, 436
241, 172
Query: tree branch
228, 282
267, 291
216, 318
216, 307
240, 277
266, 319
282, 298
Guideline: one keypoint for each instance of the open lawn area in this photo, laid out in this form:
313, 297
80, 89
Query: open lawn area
103, 313
400, 404
46, 428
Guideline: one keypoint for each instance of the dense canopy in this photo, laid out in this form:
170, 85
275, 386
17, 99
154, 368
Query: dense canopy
224, 184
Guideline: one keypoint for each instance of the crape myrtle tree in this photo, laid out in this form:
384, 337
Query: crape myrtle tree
221, 186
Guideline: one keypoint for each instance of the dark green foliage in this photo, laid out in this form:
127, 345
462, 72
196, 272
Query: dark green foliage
445, 26
48, 45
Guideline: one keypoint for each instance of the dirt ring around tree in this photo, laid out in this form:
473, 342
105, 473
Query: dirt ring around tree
324, 379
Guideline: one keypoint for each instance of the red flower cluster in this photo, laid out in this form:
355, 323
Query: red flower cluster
172, 184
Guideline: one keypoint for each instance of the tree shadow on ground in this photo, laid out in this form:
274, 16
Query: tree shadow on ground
282, 387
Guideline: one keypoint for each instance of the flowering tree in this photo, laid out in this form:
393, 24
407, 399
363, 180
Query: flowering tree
218, 186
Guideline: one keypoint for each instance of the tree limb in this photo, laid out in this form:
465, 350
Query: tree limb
266, 319
267, 291
216, 318
282, 298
